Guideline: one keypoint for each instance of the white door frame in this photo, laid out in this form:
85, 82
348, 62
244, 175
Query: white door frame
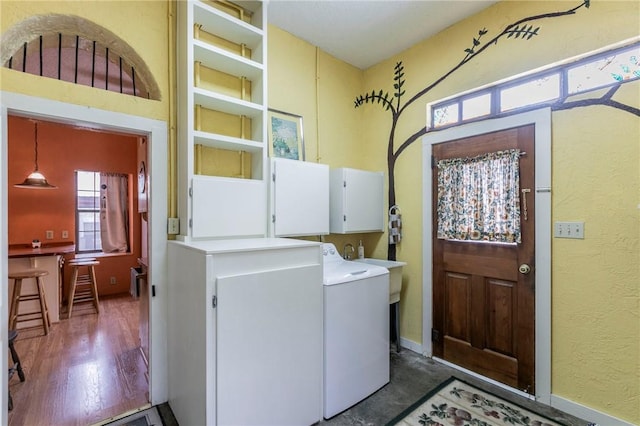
156, 132
542, 120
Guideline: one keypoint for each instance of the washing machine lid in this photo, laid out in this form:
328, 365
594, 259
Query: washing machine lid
347, 271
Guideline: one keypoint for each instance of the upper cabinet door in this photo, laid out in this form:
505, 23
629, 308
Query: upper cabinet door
299, 198
228, 208
356, 201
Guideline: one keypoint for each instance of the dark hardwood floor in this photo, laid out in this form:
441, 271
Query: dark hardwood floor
88, 369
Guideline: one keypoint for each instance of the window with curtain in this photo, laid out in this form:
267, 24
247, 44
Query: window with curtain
88, 212
114, 212
478, 198
102, 212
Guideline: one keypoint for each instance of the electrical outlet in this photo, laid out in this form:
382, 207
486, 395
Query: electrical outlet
173, 227
49, 235
569, 230
112, 281
65, 235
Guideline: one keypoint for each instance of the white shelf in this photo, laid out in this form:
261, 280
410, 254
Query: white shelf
215, 140
228, 62
226, 26
219, 102
203, 209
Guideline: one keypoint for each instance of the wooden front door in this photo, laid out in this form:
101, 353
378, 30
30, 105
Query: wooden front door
483, 292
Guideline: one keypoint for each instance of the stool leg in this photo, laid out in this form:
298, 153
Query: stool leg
72, 290
43, 306
15, 301
46, 306
94, 288
16, 361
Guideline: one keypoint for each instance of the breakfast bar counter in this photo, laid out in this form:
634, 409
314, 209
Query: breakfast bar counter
51, 249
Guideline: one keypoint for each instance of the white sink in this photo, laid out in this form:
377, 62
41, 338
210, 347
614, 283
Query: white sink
395, 275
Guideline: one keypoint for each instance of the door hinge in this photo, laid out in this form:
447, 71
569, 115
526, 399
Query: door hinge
273, 218
153, 291
344, 218
190, 192
214, 301
344, 183
190, 223
273, 176
435, 335
433, 162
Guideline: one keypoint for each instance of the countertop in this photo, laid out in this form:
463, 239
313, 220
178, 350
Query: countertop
50, 249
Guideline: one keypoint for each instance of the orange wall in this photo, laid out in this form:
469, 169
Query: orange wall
61, 151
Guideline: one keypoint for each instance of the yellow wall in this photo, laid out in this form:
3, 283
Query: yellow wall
596, 331
596, 163
149, 37
306, 81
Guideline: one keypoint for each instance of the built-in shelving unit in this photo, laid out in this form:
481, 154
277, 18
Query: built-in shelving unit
222, 107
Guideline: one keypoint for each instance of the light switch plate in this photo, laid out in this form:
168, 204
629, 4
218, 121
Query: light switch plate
569, 230
49, 235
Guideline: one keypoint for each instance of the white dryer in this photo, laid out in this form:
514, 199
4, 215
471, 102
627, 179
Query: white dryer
356, 330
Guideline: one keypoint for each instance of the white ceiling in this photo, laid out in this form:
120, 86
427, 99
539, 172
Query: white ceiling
365, 32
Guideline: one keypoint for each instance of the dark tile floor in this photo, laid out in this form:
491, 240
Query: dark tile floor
412, 376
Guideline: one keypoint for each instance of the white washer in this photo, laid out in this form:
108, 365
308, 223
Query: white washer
356, 330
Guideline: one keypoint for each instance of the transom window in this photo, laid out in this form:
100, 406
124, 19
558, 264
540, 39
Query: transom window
541, 88
77, 50
78, 60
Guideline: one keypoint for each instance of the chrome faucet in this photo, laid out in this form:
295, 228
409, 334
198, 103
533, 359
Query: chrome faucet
348, 255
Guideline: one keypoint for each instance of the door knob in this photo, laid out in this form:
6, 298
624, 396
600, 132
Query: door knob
524, 269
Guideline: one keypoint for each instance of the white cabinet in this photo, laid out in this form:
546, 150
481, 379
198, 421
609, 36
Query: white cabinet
222, 107
245, 331
299, 198
226, 207
356, 201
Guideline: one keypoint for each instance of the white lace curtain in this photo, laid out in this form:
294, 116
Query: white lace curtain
114, 212
478, 198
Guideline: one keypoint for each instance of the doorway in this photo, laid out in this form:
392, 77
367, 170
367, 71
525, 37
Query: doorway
156, 134
541, 190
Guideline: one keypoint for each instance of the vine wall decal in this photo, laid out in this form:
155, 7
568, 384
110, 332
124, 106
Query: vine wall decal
522, 29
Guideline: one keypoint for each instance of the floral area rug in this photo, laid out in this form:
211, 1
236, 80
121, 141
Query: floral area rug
455, 402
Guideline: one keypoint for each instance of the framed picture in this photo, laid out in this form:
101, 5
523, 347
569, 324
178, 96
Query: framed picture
286, 139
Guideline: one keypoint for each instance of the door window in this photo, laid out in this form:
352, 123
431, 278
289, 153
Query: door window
478, 198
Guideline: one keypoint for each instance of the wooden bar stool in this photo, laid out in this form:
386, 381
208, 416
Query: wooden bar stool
83, 287
43, 313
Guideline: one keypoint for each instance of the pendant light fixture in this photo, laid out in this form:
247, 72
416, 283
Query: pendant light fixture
36, 180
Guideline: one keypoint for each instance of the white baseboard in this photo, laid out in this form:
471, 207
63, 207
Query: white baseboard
586, 413
411, 345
